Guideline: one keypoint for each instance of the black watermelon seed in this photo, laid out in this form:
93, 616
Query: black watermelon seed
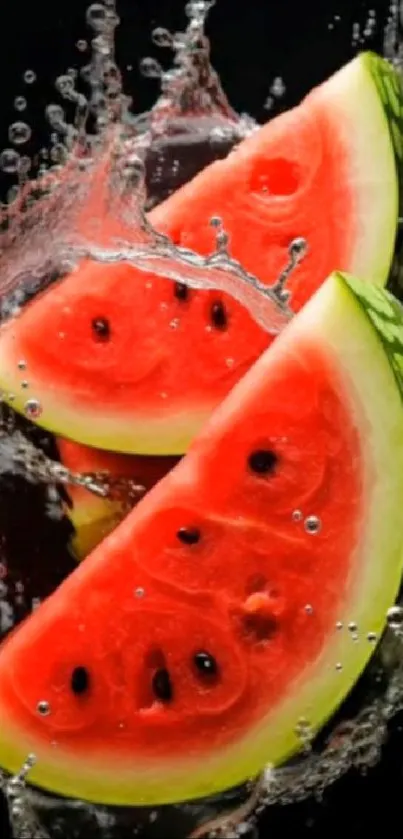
80, 680
218, 315
205, 663
101, 329
262, 461
189, 535
162, 685
181, 291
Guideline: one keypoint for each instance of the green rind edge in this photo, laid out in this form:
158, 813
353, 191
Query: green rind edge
386, 315
389, 85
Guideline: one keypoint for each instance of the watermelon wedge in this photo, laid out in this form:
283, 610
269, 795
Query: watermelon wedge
94, 516
126, 361
186, 652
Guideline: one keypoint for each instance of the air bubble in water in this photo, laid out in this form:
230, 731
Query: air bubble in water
65, 85
150, 68
395, 619
162, 37
81, 45
297, 515
20, 103
43, 708
32, 409
19, 133
96, 17
54, 115
303, 730
9, 161
6, 617
278, 88
313, 524
29, 76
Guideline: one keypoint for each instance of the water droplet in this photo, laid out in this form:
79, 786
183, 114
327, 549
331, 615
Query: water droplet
309, 609
298, 248
313, 525
174, 323
161, 37
150, 68
20, 103
19, 133
229, 362
395, 619
22, 365
55, 116
303, 730
372, 637
139, 592
339, 626
65, 85
339, 666
9, 161
278, 87
43, 708
81, 45
96, 17
29, 76
297, 515
216, 221
353, 630
33, 409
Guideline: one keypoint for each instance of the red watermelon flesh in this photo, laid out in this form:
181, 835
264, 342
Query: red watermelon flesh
129, 477
179, 657
134, 363
226, 594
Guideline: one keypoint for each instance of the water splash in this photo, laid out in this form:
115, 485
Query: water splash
18, 456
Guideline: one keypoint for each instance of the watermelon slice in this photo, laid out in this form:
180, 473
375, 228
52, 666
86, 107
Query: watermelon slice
188, 650
94, 516
126, 361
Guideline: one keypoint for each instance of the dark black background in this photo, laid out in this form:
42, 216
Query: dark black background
252, 42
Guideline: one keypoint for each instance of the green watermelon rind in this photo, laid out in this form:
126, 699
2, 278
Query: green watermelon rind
360, 328
364, 102
389, 84
386, 315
